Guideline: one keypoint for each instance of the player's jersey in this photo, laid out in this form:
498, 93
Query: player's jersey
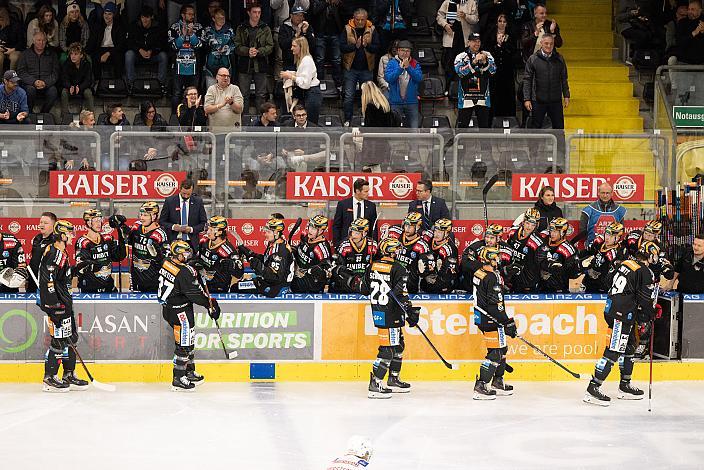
444, 278
663, 268
632, 289
11, 256
313, 258
382, 277
525, 255
148, 251
470, 261
94, 263
357, 257
605, 260
179, 287
488, 299
560, 265
347, 462
39, 245
219, 264
273, 268
55, 280
414, 255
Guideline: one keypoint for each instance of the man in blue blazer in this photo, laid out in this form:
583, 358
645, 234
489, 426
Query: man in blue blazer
432, 208
183, 215
355, 207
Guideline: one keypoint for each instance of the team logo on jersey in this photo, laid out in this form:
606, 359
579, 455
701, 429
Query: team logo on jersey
5, 254
384, 230
625, 187
477, 229
401, 186
14, 227
247, 228
166, 184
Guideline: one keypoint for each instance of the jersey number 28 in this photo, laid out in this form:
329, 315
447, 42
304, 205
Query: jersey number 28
380, 292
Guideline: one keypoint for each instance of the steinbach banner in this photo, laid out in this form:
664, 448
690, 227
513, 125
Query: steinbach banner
578, 187
310, 186
114, 184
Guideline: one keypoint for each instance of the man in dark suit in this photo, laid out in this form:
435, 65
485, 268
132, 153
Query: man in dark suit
300, 118
430, 207
352, 208
183, 215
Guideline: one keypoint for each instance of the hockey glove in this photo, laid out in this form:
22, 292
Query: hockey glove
510, 328
244, 251
658, 311
214, 311
413, 315
256, 265
513, 270
117, 220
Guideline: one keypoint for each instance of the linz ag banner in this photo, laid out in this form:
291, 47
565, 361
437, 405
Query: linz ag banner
114, 184
310, 186
578, 187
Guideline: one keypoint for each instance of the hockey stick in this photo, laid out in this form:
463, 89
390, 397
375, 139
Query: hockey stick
650, 383
228, 355
294, 229
96, 384
447, 364
489, 184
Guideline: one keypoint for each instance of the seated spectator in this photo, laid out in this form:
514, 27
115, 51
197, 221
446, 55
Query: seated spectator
13, 100
267, 117
11, 40
459, 16
393, 18
149, 117
306, 78
535, 29
475, 68
327, 19
106, 43
634, 23
146, 43
191, 113
254, 44
300, 118
76, 78
294, 27
404, 75
376, 109
73, 28
186, 38
224, 103
114, 116
220, 39
383, 62
86, 120
38, 69
45, 22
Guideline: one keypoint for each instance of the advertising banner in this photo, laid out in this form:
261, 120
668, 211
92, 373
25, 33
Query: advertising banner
114, 184
578, 187
310, 186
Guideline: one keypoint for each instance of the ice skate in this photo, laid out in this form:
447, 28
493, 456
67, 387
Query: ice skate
397, 385
195, 378
501, 387
182, 384
74, 382
54, 385
626, 391
483, 392
595, 397
377, 389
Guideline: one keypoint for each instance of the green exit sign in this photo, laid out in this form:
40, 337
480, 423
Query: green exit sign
688, 116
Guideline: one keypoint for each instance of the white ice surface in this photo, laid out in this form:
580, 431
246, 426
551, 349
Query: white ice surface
302, 426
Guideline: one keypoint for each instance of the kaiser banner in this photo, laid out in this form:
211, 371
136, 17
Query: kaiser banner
114, 184
578, 187
335, 186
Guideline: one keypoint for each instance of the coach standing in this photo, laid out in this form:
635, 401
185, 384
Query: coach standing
183, 216
355, 207
430, 207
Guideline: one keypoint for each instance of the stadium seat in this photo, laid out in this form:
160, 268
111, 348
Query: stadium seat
330, 120
505, 122
42, 119
437, 122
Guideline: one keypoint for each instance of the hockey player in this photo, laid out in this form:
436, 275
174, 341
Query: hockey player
601, 259
443, 278
358, 454
44, 238
273, 269
470, 257
179, 289
13, 268
650, 233
632, 302
525, 254
95, 253
356, 253
149, 245
489, 301
55, 300
381, 279
313, 258
414, 253
561, 263
217, 258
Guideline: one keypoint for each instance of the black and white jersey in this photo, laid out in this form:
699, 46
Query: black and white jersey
149, 248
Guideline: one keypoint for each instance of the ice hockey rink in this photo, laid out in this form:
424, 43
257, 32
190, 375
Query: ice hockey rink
302, 426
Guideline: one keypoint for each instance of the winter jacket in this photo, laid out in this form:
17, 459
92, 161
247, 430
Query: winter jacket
72, 76
447, 16
286, 35
625, 16
348, 45
392, 76
691, 49
150, 39
326, 19
97, 34
547, 213
545, 79
32, 67
258, 36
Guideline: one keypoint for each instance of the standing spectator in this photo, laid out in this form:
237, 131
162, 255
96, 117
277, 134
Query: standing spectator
600, 213
76, 78
191, 112
547, 207
13, 100
671, 29
359, 43
224, 103
690, 50
174, 9
475, 68
404, 75
73, 28
502, 47
11, 40
220, 39
458, 19
534, 30
689, 270
253, 46
383, 62
183, 215
356, 207
393, 17
306, 78
268, 116
134, 8
114, 116
432, 208
38, 69
106, 43
545, 87
327, 19
293, 28
146, 42
45, 22
149, 117
186, 38
239, 8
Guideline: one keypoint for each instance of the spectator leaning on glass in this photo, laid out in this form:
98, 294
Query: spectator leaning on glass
76, 78
13, 100
474, 68
224, 103
403, 75
600, 213
545, 87
254, 44
38, 69
146, 42
689, 270
191, 112
305, 78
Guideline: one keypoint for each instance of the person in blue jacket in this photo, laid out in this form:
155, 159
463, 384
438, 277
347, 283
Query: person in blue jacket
403, 75
600, 213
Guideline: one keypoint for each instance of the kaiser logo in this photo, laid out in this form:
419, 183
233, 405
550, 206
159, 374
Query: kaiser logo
14, 227
384, 230
477, 229
625, 187
401, 186
247, 228
166, 184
